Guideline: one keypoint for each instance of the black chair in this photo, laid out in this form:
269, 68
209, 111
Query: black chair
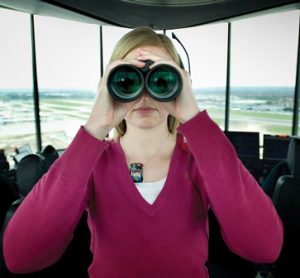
77, 257
280, 168
50, 154
286, 199
29, 170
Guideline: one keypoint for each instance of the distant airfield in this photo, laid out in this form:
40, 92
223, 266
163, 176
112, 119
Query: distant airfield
267, 110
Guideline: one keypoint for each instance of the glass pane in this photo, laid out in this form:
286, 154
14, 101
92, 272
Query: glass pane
16, 101
264, 55
68, 62
207, 49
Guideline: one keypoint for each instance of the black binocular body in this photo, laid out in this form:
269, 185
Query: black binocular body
126, 82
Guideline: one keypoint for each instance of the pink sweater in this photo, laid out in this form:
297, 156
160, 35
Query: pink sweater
131, 238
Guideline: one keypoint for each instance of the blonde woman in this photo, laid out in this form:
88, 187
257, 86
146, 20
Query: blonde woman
157, 227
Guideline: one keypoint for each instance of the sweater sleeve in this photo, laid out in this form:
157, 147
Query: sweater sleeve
43, 225
250, 225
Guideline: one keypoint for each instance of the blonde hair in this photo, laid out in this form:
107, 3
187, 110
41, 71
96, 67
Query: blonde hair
138, 37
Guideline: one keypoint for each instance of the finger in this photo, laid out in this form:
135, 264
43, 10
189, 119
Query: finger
142, 51
151, 57
136, 62
147, 55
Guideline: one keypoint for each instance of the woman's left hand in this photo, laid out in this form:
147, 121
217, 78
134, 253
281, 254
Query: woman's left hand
185, 106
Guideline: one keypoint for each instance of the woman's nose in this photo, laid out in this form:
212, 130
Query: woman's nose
145, 94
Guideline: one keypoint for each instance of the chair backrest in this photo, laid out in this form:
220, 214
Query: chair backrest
279, 169
50, 154
293, 157
29, 170
32, 167
286, 199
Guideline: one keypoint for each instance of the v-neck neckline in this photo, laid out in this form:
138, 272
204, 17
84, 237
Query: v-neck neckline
130, 186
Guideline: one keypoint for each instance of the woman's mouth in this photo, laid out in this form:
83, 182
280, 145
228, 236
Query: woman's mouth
144, 109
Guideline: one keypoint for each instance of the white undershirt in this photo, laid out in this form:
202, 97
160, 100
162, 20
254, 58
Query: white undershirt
150, 190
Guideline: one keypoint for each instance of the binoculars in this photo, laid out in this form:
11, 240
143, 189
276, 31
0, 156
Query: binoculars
126, 82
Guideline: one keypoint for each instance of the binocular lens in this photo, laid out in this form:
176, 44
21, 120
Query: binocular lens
163, 83
126, 83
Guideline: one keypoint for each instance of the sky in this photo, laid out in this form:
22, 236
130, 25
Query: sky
264, 51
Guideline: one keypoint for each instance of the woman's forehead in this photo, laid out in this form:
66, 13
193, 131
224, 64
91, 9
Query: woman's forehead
159, 51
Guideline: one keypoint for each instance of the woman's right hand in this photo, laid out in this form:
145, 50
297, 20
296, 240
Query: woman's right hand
107, 112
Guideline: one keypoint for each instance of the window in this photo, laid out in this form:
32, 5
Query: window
68, 65
263, 69
207, 48
111, 35
16, 97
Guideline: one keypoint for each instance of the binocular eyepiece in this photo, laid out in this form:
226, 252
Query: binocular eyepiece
126, 82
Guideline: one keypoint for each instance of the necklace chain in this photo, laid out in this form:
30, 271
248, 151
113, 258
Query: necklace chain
152, 156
